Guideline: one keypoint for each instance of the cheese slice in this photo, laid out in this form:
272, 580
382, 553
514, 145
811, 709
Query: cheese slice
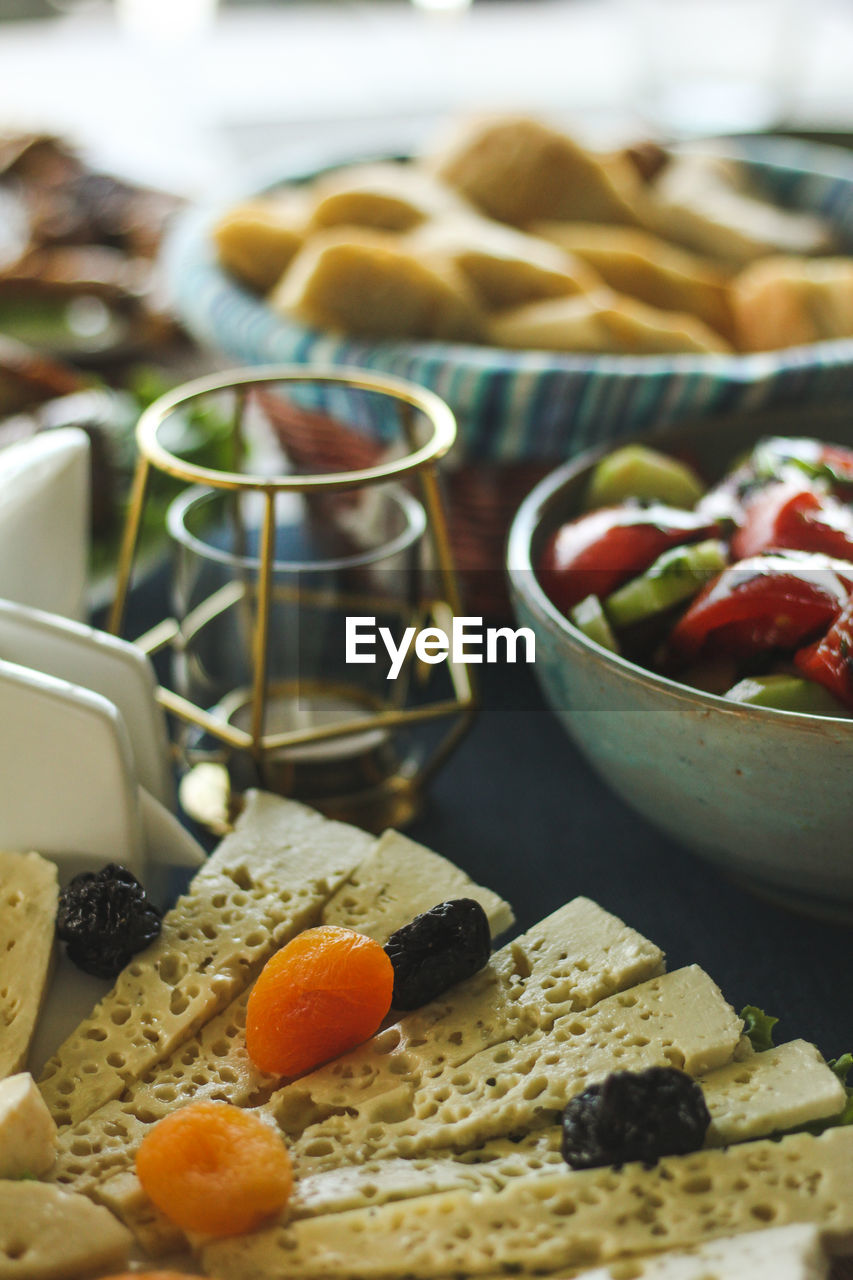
778, 1253
578, 953
400, 879
47, 1234
566, 1219
29, 893
784, 1087
27, 1129
397, 880
266, 882
679, 1019
780, 1089
576, 956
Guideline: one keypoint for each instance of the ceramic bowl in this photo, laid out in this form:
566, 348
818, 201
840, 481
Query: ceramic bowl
764, 794
534, 406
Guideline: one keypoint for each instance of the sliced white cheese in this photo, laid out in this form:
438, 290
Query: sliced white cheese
398, 880
787, 1086
780, 1089
29, 893
48, 1234
215, 1063
680, 1019
27, 1129
267, 881
579, 948
778, 1253
566, 1219
575, 956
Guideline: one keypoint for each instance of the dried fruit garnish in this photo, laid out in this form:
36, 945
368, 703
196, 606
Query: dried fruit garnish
325, 992
213, 1168
634, 1115
441, 947
105, 918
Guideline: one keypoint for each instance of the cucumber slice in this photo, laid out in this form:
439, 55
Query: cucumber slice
637, 472
787, 693
589, 617
676, 575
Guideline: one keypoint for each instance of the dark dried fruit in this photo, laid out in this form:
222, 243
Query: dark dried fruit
438, 949
634, 1115
105, 918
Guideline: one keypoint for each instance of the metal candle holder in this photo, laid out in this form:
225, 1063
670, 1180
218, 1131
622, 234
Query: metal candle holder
392, 799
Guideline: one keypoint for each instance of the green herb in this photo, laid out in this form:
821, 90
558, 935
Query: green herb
758, 1025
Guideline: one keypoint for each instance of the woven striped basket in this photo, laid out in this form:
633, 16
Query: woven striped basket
522, 412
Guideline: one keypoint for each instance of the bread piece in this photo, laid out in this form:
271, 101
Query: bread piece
602, 323
257, 240
568, 1218
522, 171
267, 881
643, 266
29, 894
787, 302
504, 267
707, 203
368, 284
387, 197
48, 1234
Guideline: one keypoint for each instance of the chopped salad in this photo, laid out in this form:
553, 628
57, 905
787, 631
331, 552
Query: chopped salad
744, 589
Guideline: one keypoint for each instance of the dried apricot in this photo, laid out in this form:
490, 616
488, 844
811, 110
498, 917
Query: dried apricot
215, 1169
323, 993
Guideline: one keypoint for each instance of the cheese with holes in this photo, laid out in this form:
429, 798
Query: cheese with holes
267, 881
385, 891
787, 1086
571, 1218
779, 1253
780, 1089
29, 894
400, 879
679, 1019
47, 1234
577, 954
27, 1129
575, 957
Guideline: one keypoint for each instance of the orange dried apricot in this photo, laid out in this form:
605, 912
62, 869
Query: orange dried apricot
214, 1169
323, 993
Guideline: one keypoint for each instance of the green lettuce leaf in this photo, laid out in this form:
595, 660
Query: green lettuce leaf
758, 1025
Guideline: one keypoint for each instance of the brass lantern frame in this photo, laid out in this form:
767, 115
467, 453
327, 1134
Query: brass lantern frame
402, 789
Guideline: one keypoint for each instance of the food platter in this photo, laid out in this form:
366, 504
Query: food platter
407, 1132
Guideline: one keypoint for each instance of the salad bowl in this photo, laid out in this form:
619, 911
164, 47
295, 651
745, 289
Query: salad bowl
763, 793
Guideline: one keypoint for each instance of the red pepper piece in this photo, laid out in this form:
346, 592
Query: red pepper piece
764, 602
793, 515
596, 553
829, 661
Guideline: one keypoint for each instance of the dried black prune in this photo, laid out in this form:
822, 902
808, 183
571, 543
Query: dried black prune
439, 948
105, 918
634, 1115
